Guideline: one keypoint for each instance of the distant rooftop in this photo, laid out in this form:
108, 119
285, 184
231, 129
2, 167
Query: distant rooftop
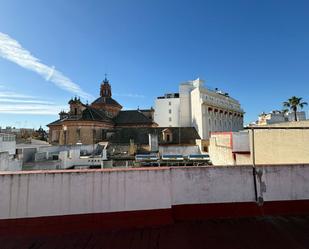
169, 96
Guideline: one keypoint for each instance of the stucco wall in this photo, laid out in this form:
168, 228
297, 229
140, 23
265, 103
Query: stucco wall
4, 160
243, 159
48, 193
281, 146
9, 146
29, 154
180, 150
212, 185
61, 193
283, 182
7, 162
220, 149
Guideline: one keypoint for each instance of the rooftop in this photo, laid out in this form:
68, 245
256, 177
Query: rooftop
169, 96
106, 100
124, 117
255, 233
132, 117
181, 135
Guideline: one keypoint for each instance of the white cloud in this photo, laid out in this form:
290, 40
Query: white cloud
33, 109
15, 103
30, 101
9, 94
11, 50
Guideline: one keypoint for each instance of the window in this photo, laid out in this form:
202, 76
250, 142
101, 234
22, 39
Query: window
94, 134
78, 134
75, 111
170, 111
170, 119
168, 137
8, 138
169, 103
103, 134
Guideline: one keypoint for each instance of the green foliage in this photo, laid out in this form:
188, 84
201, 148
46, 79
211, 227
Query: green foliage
293, 104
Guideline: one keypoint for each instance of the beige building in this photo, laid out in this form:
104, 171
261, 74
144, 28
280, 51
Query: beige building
89, 124
284, 143
276, 116
230, 148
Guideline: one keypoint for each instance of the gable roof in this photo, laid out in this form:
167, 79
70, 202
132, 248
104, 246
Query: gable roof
89, 114
92, 114
131, 117
106, 100
56, 122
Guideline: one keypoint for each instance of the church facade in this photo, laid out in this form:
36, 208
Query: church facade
89, 124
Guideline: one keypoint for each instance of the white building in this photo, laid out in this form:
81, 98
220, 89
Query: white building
206, 110
275, 117
167, 110
7, 143
8, 160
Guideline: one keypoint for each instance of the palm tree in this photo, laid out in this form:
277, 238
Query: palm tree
293, 103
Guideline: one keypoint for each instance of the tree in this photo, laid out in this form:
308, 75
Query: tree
293, 104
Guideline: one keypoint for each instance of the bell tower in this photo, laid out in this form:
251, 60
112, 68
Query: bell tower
106, 89
105, 101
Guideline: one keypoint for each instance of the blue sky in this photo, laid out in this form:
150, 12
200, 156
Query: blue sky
50, 51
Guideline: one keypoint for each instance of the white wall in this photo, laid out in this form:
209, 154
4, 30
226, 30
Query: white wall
61, 193
283, 182
197, 120
4, 160
7, 143
212, 185
220, 149
180, 150
241, 141
73, 158
35, 194
8, 163
185, 104
300, 116
167, 112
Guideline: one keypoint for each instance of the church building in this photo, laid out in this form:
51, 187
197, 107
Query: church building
89, 124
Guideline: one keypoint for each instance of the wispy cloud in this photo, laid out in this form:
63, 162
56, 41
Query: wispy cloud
10, 94
129, 95
12, 102
33, 109
31, 101
12, 50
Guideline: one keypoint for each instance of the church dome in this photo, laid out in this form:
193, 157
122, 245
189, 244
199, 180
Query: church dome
105, 101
